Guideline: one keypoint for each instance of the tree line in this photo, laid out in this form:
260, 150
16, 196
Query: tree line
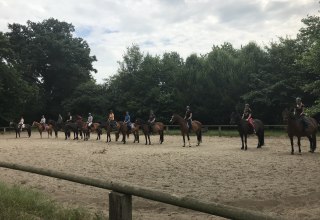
45, 69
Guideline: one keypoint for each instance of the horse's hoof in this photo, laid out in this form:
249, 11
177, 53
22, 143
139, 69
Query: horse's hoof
311, 151
292, 153
183, 146
245, 149
241, 148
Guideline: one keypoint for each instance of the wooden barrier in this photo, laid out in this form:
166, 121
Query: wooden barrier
121, 202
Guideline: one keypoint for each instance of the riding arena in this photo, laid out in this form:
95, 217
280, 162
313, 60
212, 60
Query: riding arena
268, 179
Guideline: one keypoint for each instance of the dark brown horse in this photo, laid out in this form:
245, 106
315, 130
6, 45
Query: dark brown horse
158, 128
43, 128
124, 130
196, 127
245, 128
26, 127
296, 128
107, 126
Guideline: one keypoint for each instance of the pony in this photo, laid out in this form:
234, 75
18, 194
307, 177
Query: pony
158, 127
41, 128
196, 127
245, 128
296, 128
15, 126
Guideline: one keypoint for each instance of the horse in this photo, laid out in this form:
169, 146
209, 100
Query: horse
123, 129
71, 126
57, 127
107, 126
158, 127
296, 128
95, 127
196, 127
135, 132
245, 128
26, 127
42, 128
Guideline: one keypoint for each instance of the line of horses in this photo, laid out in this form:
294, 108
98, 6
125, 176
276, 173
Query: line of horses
79, 127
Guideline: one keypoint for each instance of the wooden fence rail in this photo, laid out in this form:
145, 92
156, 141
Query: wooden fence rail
120, 202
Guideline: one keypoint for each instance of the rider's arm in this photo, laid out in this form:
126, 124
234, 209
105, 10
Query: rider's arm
190, 116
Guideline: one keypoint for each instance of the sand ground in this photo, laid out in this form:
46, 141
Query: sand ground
270, 180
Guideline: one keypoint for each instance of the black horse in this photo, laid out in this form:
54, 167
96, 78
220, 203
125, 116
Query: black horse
296, 127
245, 128
57, 127
26, 127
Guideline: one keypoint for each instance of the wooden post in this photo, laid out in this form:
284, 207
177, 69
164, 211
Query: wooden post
120, 206
219, 128
167, 128
4, 130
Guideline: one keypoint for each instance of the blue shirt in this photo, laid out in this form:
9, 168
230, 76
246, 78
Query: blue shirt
127, 119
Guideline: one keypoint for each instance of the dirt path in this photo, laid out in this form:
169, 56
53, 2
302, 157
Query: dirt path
268, 179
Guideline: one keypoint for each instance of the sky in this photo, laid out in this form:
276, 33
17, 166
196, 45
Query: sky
158, 26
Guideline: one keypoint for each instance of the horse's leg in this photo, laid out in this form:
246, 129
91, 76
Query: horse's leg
149, 138
241, 136
311, 143
145, 136
245, 141
198, 138
299, 144
291, 141
124, 137
184, 141
188, 139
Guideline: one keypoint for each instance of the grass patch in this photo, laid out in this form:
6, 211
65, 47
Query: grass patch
19, 203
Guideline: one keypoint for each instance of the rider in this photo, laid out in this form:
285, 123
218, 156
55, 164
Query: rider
247, 114
69, 117
152, 119
299, 112
90, 119
188, 117
43, 122
127, 120
21, 123
111, 119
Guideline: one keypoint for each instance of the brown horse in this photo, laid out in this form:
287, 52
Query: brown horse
158, 128
107, 126
296, 128
124, 130
41, 128
135, 132
196, 127
95, 127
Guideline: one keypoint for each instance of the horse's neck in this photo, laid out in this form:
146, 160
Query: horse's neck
181, 121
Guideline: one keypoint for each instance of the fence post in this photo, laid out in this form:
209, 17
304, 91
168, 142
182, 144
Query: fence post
219, 128
120, 206
167, 128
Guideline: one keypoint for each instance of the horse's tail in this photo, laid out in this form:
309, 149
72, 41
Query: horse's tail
262, 137
314, 139
29, 131
200, 136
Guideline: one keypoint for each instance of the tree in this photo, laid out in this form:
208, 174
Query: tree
48, 55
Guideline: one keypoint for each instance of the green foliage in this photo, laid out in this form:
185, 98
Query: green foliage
53, 75
19, 203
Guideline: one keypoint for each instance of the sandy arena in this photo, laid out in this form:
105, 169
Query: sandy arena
270, 180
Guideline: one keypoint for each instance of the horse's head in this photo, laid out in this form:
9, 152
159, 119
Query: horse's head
173, 119
234, 118
35, 123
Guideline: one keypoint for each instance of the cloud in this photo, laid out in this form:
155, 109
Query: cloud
184, 26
